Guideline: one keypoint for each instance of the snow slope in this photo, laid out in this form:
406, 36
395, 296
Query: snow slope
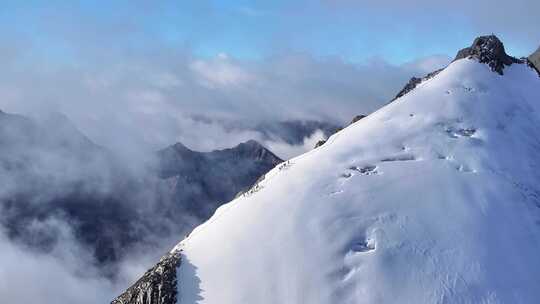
435, 198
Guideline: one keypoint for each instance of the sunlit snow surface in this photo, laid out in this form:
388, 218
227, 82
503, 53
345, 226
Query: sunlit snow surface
432, 199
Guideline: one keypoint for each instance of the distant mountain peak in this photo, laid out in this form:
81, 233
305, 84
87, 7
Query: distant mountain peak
252, 143
257, 151
180, 147
249, 147
217, 175
490, 50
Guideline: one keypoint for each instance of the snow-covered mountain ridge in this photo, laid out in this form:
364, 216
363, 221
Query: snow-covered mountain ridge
434, 198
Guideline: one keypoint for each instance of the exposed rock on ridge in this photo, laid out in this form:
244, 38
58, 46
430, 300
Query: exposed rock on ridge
488, 50
414, 82
157, 285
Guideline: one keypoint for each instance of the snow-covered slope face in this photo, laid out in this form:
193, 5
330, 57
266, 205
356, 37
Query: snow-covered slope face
432, 199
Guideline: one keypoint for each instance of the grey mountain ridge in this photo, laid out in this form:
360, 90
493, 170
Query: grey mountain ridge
50, 171
212, 178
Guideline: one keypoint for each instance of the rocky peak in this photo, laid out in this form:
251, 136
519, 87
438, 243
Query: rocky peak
486, 49
180, 147
489, 50
253, 149
250, 144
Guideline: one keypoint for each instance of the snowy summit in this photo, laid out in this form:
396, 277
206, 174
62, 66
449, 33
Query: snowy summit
434, 198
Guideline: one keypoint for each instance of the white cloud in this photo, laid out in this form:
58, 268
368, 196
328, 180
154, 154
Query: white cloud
288, 151
221, 71
149, 102
61, 277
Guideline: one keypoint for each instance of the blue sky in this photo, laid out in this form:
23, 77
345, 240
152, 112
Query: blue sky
146, 68
353, 30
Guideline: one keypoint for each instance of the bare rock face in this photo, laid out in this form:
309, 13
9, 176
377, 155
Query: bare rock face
320, 143
357, 118
488, 50
414, 82
157, 286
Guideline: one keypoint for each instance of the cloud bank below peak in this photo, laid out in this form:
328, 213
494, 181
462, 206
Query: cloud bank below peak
154, 101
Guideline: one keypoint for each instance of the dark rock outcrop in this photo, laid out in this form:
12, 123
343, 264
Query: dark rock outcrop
157, 286
411, 85
414, 82
488, 50
320, 143
357, 118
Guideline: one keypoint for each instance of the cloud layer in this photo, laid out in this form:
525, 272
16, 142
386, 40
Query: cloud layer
154, 101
